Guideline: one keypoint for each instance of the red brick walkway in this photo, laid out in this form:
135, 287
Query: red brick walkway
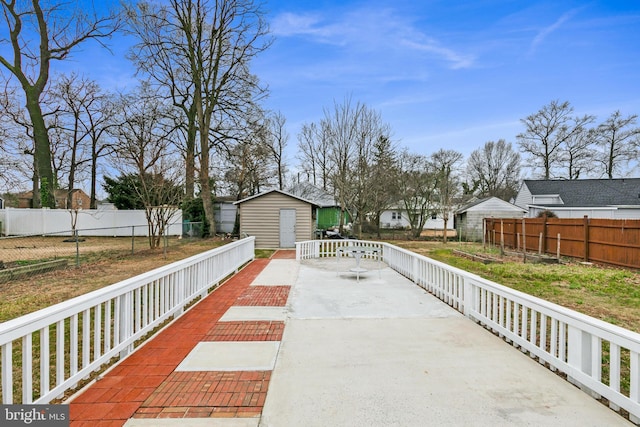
264, 296
246, 331
208, 394
145, 385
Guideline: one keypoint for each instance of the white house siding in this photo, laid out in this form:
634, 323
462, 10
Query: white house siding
627, 213
260, 217
604, 213
524, 197
387, 220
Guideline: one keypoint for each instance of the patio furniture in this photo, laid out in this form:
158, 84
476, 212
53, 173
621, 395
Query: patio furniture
357, 252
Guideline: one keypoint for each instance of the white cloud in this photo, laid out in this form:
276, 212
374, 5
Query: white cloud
291, 24
545, 32
363, 31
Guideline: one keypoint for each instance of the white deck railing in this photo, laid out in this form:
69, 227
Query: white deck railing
601, 358
49, 351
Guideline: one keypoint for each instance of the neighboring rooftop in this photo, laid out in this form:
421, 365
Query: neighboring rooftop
588, 192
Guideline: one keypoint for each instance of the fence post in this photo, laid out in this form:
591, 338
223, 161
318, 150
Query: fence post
540, 237
544, 234
558, 247
77, 249
524, 241
586, 238
133, 237
484, 232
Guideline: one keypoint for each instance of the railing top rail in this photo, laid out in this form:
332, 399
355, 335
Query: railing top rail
15, 328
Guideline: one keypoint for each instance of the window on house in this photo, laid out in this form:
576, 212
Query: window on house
434, 215
396, 215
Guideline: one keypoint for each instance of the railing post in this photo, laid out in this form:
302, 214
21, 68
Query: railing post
125, 314
579, 352
7, 373
467, 296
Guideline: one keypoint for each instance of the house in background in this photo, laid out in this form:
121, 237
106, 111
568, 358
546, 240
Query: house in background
596, 198
397, 218
470, 217
79, 200
277, 219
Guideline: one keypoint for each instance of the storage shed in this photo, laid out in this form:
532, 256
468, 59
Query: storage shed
277, 219
469, 218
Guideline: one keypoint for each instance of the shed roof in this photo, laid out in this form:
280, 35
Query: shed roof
493, 199
589, 192
308, 191
264, 193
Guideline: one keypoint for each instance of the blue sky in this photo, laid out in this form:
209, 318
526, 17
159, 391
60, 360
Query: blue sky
443, 74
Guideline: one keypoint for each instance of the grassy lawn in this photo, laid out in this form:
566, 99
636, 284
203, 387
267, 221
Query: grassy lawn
100, 269
607, 293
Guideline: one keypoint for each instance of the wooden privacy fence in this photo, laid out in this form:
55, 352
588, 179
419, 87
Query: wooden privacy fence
607, 241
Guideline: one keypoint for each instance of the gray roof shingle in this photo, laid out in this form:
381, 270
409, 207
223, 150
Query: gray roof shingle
589, 192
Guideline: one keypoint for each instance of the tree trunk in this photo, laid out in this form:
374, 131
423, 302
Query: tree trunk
93, 204
42, 153
205, 183
190, 155
444, 231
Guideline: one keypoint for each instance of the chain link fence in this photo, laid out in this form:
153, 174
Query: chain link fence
25, 256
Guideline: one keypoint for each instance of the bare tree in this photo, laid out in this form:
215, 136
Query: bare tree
370, 131
75, 95
159, 55
446, 164
341, 151
58, 31
545, 133
277, 138
416, 180
212, 44
576, 154
495, 169
143, 148
247, 170
618, 141
342, 136
313, 154
16, 144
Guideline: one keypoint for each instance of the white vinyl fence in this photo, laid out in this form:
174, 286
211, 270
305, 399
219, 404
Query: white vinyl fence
100, 222
48, 352
600, 358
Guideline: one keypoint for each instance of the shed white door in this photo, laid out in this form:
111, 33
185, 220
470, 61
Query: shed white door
287, 228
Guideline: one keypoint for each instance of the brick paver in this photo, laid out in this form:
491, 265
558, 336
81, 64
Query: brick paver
264, 296
246, 331
284, 254
208, 394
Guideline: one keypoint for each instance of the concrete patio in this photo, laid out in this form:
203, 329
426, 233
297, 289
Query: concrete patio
289, 343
